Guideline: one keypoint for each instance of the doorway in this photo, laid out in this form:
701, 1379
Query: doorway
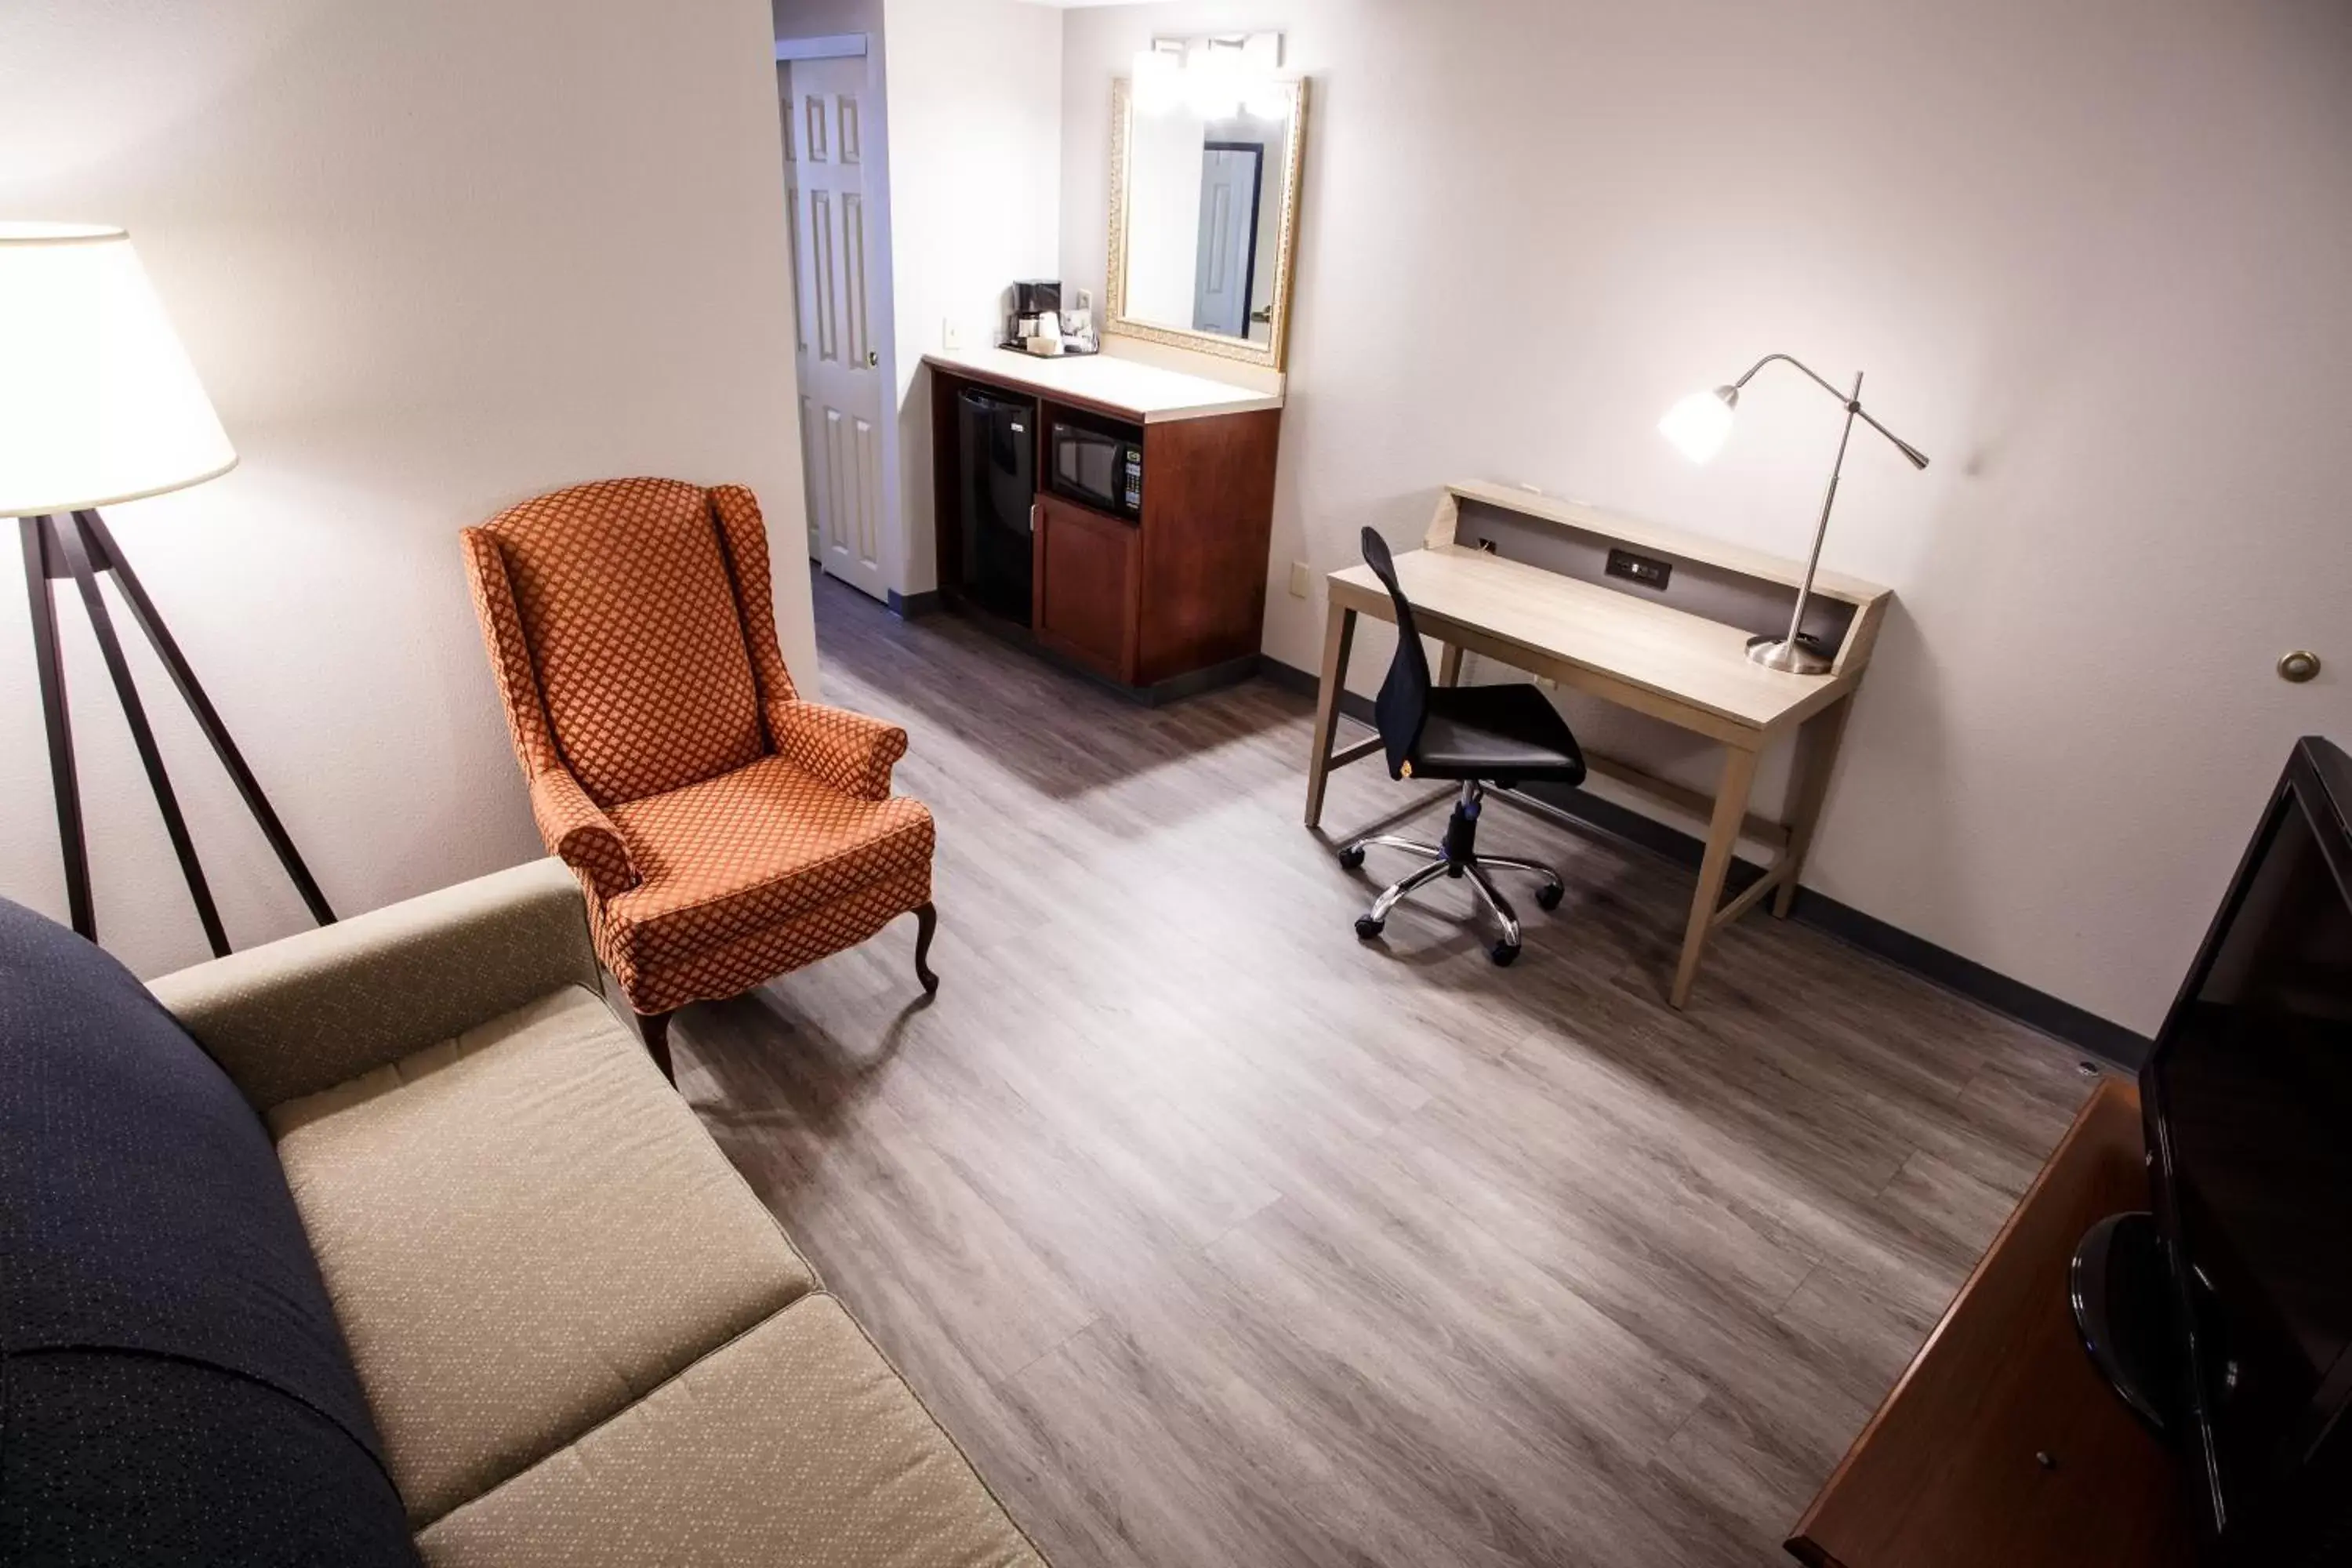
825, 104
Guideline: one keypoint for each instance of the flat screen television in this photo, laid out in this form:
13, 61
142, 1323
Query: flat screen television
2248, 1101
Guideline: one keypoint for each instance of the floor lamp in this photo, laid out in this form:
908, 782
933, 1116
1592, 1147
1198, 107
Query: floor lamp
98, 405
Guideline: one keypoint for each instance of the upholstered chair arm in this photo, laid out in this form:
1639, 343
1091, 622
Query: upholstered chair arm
576, 830
848, 751
294, 1016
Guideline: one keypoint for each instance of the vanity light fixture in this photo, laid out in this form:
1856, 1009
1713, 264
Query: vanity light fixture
1159, 81
1216, 77
1701, 423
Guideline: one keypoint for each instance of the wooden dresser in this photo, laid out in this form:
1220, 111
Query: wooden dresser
2001, 1444
1163, 605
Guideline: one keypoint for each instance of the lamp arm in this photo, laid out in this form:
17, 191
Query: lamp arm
1918, 459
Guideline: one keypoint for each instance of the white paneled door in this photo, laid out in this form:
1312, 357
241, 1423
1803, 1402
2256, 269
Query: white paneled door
834, 293
1221, 278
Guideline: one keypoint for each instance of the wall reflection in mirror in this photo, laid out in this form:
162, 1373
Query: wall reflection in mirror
1206, 154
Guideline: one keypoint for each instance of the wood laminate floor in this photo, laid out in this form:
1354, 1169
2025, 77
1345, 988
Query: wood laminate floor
1216, 1237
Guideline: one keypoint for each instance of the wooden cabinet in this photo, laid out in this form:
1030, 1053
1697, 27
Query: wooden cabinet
1208, 522
1087, 576
1161, 605
2001, 1444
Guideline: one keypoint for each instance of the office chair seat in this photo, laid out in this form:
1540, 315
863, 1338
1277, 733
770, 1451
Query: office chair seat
1508, 735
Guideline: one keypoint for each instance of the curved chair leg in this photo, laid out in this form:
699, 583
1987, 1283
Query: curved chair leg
927, 920
1351, 854
1504, 951
1368, 926
655, 1028
1514, 863
1553, 890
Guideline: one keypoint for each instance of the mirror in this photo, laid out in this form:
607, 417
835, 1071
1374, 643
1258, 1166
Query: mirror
1203, 209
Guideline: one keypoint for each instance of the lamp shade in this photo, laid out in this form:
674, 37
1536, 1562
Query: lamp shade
98, 401
1699, 423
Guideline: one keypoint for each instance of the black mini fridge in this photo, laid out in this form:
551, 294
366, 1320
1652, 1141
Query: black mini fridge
997, 448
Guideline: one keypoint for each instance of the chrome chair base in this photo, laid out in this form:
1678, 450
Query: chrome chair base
1457, 857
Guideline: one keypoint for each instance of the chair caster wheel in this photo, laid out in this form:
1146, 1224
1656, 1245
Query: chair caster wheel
1368, 928
1550, 897
1504, 953
1350, 858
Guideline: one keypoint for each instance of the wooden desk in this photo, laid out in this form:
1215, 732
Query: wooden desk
1518, 578
2001, 1444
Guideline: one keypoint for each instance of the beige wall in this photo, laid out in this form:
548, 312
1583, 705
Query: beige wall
429, 258
2094, 259
975, 139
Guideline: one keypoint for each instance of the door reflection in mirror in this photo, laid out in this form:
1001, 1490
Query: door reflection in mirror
1203, 217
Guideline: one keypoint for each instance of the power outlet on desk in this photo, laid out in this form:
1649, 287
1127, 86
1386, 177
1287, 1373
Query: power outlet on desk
1645, 570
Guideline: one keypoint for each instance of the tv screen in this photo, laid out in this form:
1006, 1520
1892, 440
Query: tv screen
2249, 1096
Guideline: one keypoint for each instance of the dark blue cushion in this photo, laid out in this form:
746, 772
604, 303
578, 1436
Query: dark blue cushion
128, 1458
144, 1219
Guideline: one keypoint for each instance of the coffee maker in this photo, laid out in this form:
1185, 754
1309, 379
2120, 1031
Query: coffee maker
1037, 312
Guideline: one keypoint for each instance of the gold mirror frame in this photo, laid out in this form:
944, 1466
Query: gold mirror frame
1274, 352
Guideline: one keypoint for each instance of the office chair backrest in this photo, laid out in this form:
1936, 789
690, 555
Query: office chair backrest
1402, 705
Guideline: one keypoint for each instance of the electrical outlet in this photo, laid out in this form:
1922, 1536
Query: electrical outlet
1646, 570
1302, 580
1084, 300
950, 335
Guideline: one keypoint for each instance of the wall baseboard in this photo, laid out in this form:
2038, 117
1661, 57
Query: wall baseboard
906, 606
2111, 1042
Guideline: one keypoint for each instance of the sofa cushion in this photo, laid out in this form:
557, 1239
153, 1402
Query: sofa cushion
795, 1444
522, 1230
144, 1226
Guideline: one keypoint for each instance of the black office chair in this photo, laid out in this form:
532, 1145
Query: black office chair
1502, 735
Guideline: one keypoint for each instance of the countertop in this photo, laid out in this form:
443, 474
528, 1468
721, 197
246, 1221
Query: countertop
1144, 393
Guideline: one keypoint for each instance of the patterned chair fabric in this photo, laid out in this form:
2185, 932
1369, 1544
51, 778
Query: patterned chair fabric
724, 830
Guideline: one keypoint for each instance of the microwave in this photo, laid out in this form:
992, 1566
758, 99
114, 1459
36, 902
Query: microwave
1103, 471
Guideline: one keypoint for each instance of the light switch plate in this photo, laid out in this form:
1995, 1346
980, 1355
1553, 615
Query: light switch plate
1302, 580
950, 335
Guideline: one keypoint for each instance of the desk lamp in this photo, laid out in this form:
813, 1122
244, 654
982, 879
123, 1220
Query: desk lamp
98, 404
1699, 425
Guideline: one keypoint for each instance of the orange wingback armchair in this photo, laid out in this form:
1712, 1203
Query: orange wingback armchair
724, 830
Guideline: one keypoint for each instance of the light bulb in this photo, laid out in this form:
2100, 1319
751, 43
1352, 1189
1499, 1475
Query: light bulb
1699, 423
1158, 81
1212, 86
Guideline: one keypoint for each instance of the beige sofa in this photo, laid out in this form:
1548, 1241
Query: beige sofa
584, 1339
